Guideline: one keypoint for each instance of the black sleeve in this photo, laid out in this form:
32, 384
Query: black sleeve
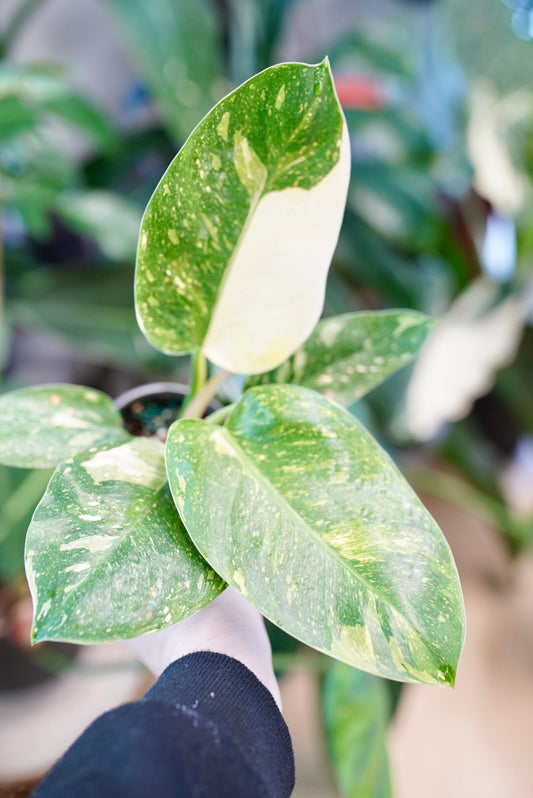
207, 728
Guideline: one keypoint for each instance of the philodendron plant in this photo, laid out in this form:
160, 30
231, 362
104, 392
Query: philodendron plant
283, 494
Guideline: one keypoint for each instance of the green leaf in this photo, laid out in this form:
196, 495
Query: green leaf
20, 492
16, 117
356, 709
346, 356
44, 90
175, 45
91, 311
296, 505
80, 112
32, 174
40, 426
107, 556
113, 221
237, 239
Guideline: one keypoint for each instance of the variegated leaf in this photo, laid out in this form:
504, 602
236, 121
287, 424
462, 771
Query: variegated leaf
107, 556
346, 356
237, 239
296, 505
42, 425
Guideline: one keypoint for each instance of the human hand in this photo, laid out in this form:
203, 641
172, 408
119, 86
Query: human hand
229, 625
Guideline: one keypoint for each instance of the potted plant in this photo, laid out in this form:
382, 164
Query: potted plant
282, 494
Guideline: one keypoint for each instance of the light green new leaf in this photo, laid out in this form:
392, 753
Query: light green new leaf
107, 556
296, 505
356, 709
346, 356
42, 425
237, 239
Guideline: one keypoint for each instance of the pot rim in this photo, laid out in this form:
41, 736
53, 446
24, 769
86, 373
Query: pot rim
148, 389
153, 388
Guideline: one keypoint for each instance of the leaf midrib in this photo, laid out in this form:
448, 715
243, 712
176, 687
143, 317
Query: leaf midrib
271, 175
263, 479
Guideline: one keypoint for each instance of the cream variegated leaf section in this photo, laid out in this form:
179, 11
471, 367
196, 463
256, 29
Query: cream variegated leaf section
237, 239
274, 290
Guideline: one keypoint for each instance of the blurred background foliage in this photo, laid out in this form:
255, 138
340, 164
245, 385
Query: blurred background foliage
95, 99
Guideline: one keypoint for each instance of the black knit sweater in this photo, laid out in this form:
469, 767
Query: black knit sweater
207, 728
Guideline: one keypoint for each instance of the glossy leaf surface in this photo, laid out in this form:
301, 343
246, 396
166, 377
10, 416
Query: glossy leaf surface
346, 356
40, 426
356, 708
297, 506
107, 556
237, 239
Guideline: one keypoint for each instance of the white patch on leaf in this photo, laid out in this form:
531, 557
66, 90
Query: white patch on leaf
274, 289
65, 419
77, 567
125, 464
329, 331
222, 445
91, 543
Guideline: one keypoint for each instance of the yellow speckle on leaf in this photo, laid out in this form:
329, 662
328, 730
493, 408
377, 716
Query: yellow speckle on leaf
173, 236
354, 645
223, 125
251, 172
238, 578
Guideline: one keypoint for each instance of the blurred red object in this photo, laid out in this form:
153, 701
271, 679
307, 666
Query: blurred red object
20, 623
359, 92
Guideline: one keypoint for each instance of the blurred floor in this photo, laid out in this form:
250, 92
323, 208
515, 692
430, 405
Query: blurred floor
476, 740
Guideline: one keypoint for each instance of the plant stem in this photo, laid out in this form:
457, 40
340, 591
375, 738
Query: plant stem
198, 378
17, 22
199, 402
219, 416
199, 372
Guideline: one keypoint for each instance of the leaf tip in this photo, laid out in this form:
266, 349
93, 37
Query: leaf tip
446, 675
37, 635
